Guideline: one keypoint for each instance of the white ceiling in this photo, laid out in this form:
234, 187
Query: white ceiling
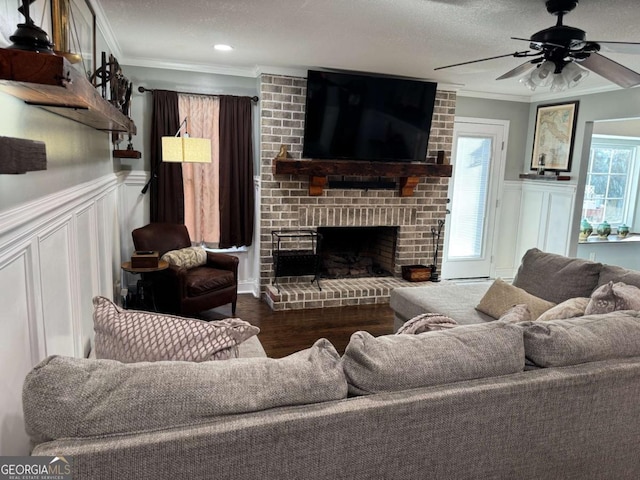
397, 37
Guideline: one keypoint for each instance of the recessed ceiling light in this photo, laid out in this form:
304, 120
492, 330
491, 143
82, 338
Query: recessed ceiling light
222, 47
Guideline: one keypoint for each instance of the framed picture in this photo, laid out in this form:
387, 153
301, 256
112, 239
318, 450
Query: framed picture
73, 31
553, 136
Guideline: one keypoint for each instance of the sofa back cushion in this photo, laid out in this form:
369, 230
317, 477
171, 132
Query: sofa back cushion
556, 278
74, 397
612, 273
397, 362
558, 343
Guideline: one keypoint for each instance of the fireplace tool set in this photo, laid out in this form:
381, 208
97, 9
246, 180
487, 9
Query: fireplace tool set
435, 237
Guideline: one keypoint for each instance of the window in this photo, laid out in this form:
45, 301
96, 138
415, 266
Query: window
610, 193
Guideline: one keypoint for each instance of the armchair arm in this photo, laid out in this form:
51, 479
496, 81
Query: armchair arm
223, 262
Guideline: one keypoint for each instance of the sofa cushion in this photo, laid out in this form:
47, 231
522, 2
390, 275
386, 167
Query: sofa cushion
556, 278
397, 362
571, 341
74, 397
135, 336
612, 273
612, 297
501, 296
574, 307
186, 257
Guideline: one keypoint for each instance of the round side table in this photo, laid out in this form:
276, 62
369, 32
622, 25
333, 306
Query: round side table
145, 284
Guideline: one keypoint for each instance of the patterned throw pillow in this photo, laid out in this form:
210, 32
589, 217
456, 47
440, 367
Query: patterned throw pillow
612, 297
186, 257
574, 307
427, 322
134, 336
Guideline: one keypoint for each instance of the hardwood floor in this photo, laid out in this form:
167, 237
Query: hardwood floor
283, 333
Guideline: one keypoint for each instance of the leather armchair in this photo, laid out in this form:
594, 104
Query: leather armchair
188, 291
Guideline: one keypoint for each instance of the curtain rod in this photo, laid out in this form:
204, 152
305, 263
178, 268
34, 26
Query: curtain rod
143, 90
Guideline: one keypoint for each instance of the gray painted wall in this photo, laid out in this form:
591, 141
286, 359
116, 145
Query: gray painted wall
75, 153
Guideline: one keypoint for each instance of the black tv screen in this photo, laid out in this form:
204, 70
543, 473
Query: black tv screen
362, 117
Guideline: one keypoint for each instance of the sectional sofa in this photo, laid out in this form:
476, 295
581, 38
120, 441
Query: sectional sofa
451, 404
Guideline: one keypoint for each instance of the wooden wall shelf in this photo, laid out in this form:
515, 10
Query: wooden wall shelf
318, 170
50, 82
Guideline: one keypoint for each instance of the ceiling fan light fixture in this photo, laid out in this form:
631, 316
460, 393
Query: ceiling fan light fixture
574, 74
542, 76
559, 83
526, 81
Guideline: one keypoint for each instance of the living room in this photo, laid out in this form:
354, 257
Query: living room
65, 232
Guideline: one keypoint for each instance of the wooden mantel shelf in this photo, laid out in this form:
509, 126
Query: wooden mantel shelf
318, 170
50, 82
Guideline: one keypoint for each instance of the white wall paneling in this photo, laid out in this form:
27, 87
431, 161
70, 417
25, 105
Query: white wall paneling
506, 261
546, 211
56, 254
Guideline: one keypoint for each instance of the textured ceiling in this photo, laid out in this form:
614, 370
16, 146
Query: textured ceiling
397, 37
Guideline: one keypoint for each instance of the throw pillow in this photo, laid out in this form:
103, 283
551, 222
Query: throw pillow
501, 296
79, 397
574, 307
186, 257
556, 278
517, 314
612, 297
391, 363
571, 341
427, 322
134, 336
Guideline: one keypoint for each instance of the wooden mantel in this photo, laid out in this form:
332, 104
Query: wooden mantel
318, 170
50, 82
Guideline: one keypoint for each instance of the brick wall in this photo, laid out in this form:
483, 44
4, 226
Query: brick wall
285, 201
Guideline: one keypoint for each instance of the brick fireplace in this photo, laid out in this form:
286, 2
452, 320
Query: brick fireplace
286, 203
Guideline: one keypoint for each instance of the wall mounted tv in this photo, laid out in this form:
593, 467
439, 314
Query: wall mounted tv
363, 117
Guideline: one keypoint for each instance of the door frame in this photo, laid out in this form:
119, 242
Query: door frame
498, 177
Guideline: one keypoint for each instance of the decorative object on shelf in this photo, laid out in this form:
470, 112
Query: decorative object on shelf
435, 236
109, 76
283, 153
18, 155
128, 153
186, 149
29, 36
604, 229
585, 229
623, 230
73, 30
554, 135
541, 164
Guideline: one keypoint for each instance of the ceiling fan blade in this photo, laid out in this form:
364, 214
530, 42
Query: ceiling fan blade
515, 54
620, 47
519, 70
612, 71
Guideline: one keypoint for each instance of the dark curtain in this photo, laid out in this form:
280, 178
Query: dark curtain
167, 193
236, 172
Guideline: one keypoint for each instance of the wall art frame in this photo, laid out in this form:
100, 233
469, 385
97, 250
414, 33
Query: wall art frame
554, 136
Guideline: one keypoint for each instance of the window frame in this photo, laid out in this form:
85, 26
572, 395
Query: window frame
631, 190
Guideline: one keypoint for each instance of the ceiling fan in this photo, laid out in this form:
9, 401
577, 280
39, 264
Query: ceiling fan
560, 53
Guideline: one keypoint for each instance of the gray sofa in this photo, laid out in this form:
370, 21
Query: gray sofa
552, 277
455, 404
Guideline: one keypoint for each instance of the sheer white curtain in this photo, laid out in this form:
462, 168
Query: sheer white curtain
201, 181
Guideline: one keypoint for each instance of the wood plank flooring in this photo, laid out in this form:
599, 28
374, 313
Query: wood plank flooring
283, 333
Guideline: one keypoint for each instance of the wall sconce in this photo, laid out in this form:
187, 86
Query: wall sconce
185, 149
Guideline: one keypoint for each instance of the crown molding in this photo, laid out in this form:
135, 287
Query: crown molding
494, 96
190, 67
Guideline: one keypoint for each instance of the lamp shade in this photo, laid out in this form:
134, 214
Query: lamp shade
186, 149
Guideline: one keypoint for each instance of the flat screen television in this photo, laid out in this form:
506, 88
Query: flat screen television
364, 117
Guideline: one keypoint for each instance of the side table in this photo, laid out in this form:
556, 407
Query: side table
145, 285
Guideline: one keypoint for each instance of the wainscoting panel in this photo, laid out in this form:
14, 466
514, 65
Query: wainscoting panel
506, 263
19, 349
56, 254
